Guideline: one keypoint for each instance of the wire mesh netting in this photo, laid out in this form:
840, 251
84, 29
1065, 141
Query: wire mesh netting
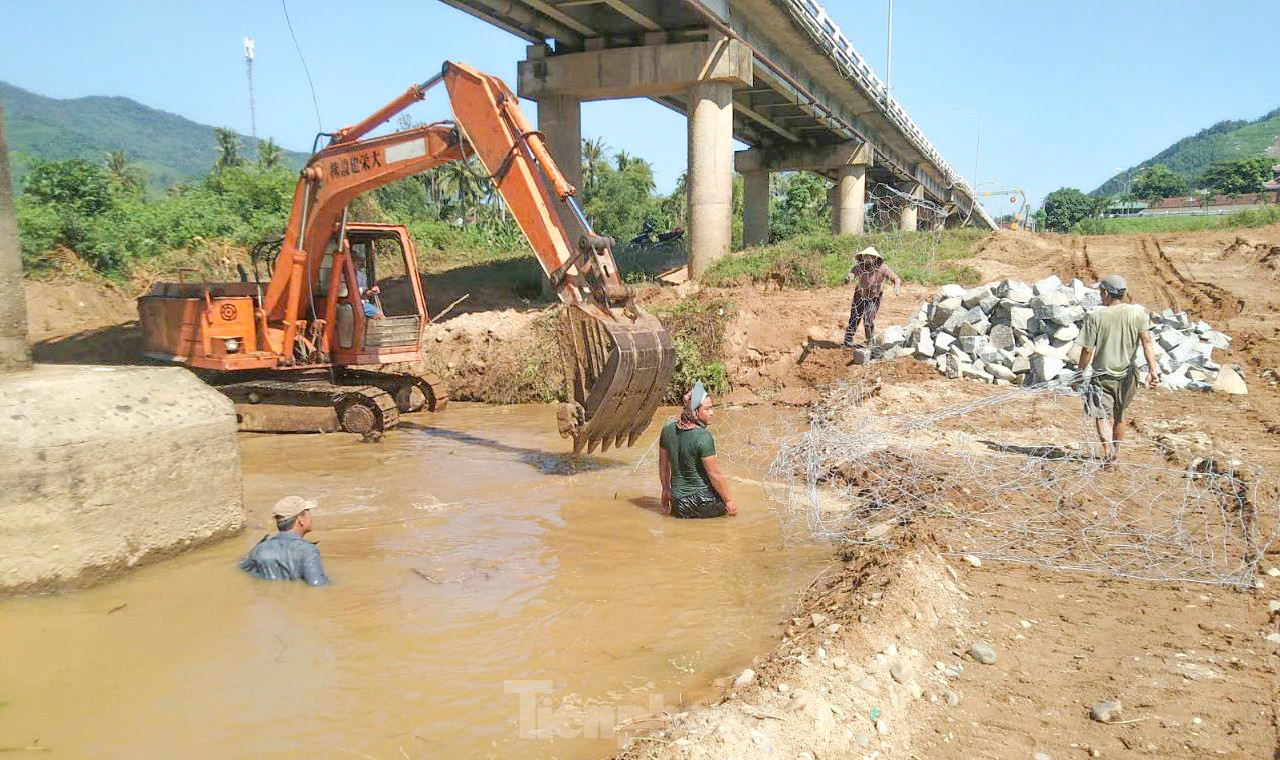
990, 479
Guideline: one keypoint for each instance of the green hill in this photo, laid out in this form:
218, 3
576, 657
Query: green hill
172, 149
1224, 141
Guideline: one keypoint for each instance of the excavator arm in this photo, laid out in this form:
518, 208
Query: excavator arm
618, 358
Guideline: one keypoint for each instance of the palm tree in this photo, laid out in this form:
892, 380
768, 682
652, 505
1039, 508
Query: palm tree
123, 173
228, 149
269, 154
593, 156
459, 181
622, 160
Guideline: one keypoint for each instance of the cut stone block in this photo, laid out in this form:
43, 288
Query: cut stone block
893, 336
988, 304
942, 341
973, 297
1001, 336
1019, 293
1050, 284
971, 343
1045, 368
1000, 372
1066, 332
1230, 381
979, 328
953, 291
1020, 318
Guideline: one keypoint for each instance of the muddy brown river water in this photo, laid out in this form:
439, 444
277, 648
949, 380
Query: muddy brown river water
489, 592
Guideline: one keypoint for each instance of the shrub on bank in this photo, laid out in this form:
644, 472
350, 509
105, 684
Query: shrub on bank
697, 334
823, 260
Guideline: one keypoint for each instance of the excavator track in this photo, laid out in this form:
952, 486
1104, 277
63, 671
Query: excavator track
311, 406
412, 391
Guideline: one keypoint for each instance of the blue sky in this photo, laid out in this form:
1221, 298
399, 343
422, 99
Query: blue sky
1067, 90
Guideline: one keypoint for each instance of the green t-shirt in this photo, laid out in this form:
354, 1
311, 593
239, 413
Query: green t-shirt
1113, 334
685, 450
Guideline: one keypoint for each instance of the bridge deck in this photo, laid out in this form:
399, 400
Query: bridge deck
811, 85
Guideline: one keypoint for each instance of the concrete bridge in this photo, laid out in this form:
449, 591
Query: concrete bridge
779, 75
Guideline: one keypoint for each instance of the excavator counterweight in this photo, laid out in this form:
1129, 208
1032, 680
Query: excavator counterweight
314, 349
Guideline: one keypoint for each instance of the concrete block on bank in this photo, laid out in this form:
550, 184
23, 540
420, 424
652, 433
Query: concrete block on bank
107, 467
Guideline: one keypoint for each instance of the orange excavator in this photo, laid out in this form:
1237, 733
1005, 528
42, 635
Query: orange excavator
319, 349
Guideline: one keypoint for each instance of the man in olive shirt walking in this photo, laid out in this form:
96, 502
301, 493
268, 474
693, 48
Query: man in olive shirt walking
692, 484
1108, 343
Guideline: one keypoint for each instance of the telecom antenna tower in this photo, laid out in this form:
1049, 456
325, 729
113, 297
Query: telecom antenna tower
248, 64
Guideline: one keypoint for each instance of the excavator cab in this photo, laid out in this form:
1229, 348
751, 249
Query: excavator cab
380, 307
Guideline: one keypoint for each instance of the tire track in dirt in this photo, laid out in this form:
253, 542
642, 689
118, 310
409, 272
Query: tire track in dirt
1224, 304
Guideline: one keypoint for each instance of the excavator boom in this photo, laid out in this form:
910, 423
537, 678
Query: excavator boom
618, 358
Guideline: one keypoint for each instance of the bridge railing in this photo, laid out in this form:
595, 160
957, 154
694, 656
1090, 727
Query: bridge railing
828, 35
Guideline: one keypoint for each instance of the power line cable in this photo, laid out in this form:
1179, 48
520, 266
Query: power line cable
301, 57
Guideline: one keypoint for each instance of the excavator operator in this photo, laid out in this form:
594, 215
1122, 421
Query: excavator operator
368, 293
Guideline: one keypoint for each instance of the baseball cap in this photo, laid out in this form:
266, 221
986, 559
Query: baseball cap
1113, 284
290, 507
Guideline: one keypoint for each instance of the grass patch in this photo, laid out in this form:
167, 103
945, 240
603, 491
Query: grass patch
820, 260
1254, 217
697, 334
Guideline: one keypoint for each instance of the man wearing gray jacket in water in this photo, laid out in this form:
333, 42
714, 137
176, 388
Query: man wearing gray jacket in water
287, 556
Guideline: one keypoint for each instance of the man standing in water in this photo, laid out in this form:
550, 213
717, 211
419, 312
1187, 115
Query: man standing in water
869, 271
286, 556
1109, 343
692, 484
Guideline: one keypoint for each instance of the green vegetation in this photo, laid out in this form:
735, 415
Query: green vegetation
1244, 175
1158, 181
697, 334
1179, 223
823, 260
1066, 207
1192, 156
168, 148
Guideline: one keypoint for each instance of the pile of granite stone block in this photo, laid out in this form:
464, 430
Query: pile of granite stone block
1009, 332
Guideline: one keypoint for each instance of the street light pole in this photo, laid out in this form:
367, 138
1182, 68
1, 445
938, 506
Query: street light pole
977, 144
888, 75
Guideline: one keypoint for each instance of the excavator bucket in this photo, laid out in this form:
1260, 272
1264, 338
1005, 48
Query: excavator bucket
618, 363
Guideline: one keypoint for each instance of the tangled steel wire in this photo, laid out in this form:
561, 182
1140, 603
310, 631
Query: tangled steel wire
855, 476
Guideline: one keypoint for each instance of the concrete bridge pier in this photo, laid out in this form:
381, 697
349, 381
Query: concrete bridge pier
908, 218
847, 161
560, 122
710, 177
704, 73
755, 207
